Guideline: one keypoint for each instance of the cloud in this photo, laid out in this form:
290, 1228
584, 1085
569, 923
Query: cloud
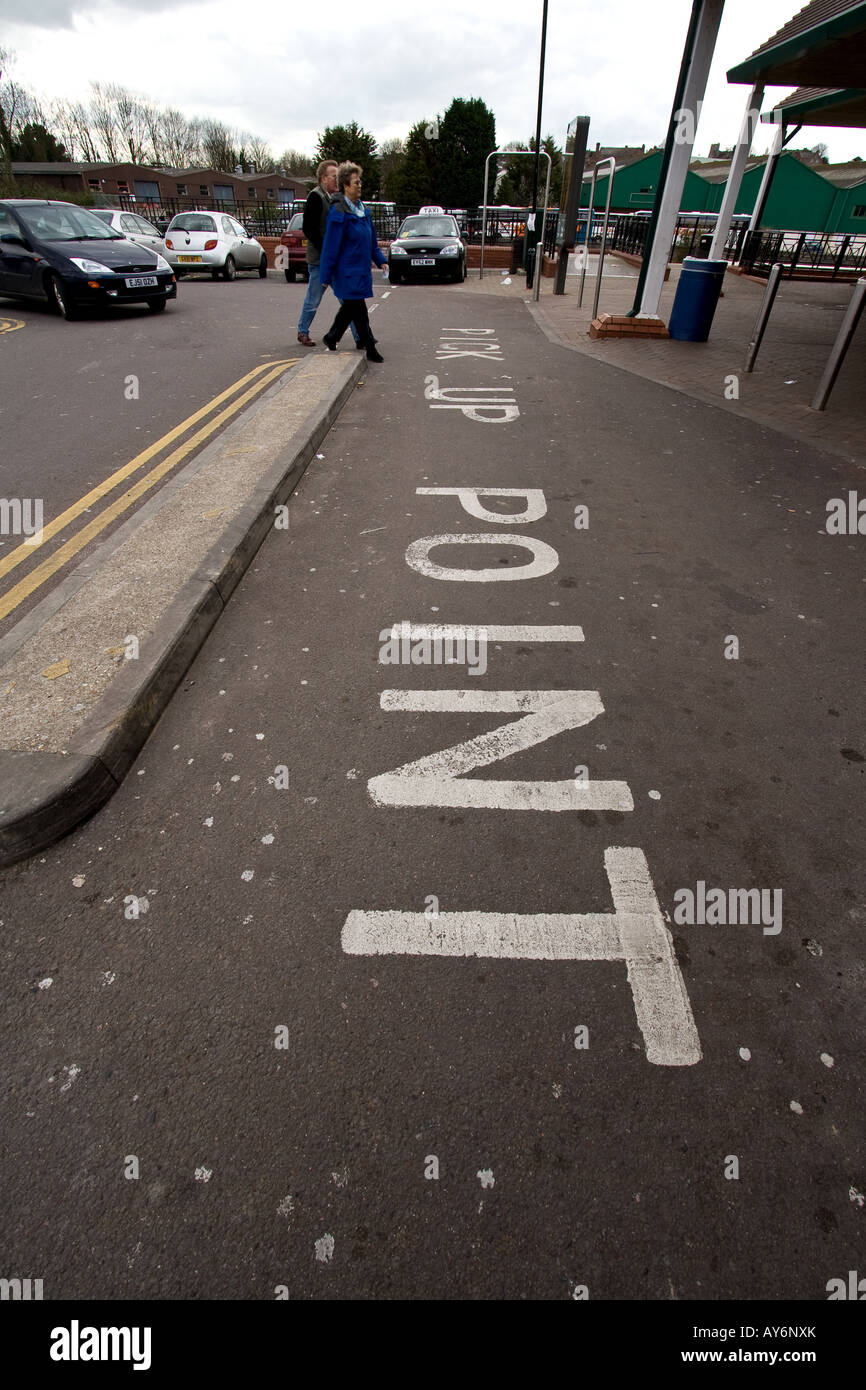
60, 14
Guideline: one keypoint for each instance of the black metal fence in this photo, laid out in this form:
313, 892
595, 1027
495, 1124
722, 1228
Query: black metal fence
261, 219
828, 254
271, 219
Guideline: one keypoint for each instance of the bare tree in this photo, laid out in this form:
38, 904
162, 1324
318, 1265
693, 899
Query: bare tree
152, 119
181, 139
260, 153
219, 146
18, 108
129, 121
71, 119
293, 162
102, 123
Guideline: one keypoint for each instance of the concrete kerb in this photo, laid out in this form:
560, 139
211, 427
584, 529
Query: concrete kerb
46, 791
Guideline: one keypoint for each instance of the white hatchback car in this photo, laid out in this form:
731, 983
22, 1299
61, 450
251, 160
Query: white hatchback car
206, 240
133, 227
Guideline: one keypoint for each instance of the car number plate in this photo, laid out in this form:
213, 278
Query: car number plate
424, 262
140, 282
303, 241
190, 258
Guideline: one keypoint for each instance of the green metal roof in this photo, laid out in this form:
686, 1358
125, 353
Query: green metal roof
823, 106
824, 45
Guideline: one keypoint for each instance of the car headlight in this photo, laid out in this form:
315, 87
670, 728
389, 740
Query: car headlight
450, 251
161, 262
398, 250
91, 267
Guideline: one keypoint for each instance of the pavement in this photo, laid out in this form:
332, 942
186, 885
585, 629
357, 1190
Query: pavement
801, 331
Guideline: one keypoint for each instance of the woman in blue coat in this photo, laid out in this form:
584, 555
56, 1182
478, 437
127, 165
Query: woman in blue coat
349, 249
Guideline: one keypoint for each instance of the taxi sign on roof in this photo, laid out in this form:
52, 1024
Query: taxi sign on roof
432, 208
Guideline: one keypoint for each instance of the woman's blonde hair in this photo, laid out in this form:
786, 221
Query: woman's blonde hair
345, 172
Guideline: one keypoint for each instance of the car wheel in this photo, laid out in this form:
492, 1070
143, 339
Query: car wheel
229, 269
263, 268
60, 298
156, 306
290, 276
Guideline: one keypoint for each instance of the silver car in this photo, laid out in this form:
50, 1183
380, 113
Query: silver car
133, 227
206, 240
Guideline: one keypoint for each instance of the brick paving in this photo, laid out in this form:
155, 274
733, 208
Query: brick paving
801, 331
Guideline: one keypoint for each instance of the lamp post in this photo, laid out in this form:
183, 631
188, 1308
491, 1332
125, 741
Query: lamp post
533, 238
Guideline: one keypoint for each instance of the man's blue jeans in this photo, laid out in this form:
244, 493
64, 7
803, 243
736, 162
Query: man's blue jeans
312, 300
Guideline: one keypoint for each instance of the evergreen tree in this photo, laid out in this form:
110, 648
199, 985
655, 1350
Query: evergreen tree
417, 180
467, 134
35, 144
516, 184
351, 142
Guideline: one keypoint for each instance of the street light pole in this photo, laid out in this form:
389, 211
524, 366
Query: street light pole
540, 99
536, 236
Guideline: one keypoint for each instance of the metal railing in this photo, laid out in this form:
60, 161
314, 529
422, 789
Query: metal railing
830, 255
262, 219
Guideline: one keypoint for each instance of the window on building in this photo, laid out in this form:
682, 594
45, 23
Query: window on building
270, 195
202, 188
860, 210
94, 183
251, 193
181, 188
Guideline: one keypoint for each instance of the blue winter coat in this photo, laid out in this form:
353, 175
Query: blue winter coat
350, 245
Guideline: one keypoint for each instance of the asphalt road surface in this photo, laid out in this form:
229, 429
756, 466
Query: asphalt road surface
83, 400
290, 1018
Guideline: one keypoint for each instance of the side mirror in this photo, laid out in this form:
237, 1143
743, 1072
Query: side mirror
13, 239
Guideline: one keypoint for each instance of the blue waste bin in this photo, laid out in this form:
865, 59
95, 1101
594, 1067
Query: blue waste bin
696, 299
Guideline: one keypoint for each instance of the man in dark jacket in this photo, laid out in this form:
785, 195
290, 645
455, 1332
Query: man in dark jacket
315, 217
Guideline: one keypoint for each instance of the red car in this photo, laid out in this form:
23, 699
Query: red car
296, 245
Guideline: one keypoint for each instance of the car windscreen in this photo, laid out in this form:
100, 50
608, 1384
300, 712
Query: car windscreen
193, 222
297, 222
65, 222
429, 226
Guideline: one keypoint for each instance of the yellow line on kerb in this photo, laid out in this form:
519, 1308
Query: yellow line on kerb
25, 587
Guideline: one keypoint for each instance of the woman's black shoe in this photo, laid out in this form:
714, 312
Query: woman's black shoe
373, 355
330, 343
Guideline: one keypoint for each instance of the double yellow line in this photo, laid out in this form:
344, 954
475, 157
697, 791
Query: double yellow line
261, 377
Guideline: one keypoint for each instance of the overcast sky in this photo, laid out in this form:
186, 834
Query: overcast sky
296, 67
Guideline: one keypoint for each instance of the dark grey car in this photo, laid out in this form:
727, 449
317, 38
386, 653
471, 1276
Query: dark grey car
427, 245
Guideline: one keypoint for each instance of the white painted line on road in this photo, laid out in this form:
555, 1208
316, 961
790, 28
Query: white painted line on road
385, 295
433, 780
494, 632
634, 933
